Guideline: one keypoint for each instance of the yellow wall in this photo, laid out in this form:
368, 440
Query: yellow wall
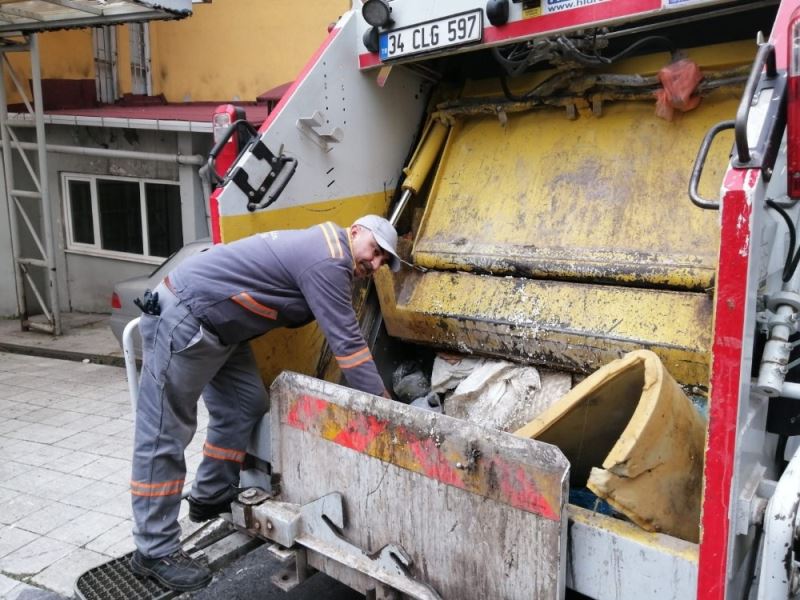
64, 55
228, 49
237, 48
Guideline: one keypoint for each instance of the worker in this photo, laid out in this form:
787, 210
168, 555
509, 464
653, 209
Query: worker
195, 329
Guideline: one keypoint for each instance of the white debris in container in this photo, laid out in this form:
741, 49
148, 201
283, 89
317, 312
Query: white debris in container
495, 393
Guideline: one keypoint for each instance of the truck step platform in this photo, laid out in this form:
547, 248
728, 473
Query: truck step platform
216, 544
114, 580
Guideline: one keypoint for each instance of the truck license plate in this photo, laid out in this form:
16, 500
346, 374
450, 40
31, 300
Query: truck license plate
455, 30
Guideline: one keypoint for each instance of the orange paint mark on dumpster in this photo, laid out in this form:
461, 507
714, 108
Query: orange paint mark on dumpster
304, 410
434, 464
520, 491
359, 432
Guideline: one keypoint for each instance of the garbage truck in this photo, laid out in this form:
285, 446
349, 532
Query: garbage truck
601, 190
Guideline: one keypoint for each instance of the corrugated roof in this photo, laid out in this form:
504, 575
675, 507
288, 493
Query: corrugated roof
195, 117
28, 16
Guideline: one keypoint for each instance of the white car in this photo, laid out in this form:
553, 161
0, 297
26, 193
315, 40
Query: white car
123, 310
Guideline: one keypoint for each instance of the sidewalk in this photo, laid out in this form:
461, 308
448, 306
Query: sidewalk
85, 336
65, 446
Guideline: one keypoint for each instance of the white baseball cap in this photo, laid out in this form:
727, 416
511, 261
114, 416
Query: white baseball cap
384, 234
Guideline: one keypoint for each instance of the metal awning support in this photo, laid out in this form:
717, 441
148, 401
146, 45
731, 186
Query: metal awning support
23, 203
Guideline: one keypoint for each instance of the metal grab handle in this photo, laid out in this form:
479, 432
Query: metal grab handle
212, 156
285, 172
699, 163
766, 55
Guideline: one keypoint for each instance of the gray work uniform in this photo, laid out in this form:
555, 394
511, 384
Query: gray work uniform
215, 302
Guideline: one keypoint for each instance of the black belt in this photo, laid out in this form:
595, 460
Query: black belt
203, 321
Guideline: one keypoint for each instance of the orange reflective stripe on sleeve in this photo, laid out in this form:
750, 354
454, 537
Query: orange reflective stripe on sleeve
165, 488
355, 359
328, 240
245, 300
220, 453
334, 245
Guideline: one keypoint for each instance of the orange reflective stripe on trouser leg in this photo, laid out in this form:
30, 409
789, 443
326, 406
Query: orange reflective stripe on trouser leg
220, 453
165, 488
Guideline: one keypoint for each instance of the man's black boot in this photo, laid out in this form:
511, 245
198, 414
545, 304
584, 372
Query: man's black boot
178, 571
199, 511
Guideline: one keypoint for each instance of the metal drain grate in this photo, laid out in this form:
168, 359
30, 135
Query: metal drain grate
114, 580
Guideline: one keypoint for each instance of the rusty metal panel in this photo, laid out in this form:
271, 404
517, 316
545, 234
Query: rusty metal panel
564, 325
600, 199
480, 512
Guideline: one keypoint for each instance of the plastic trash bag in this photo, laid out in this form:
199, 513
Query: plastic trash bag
680, 80
495, 393
409, 382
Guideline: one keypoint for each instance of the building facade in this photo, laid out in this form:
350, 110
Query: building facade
128, 112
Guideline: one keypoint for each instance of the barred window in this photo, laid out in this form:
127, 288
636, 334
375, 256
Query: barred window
122, 217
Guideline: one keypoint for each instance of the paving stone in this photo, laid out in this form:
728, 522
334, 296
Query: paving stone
120, 397
95, 495
73, 460
36, 432
47, 519
6, 441
8, 423
62, 424
44, 398
7, 390
32, 481
12, 538
114, 411
32, 453
10, 469
25, 591
121, 477
115, 448
193, 462
6, 585
196, 445
34, 557
121, 548
21, 506
90, 422
101, 468
121, 532
18, 408
84, 440
61, 575
39, 414
119, 505
63, 485
7, 494
37, 397
63, 418
81, 390
83, 529
118, 427
21, 380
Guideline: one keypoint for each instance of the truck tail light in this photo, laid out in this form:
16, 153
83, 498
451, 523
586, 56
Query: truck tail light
793, 108
220, 124
115, 301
